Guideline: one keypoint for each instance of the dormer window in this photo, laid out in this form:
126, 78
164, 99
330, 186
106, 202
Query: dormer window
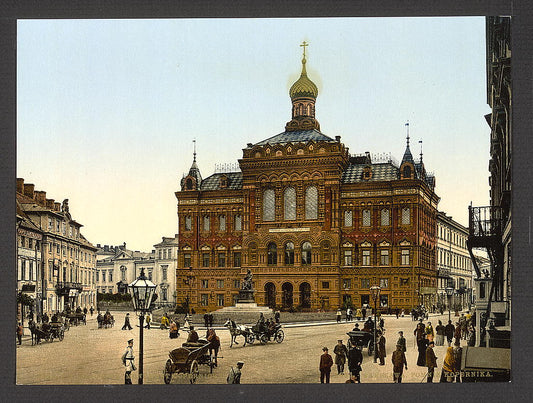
223, 182
367, 173
407, 172
189, 185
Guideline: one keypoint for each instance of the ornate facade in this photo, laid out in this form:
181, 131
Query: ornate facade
316, 225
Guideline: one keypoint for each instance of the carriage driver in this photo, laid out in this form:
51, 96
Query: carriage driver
127, 360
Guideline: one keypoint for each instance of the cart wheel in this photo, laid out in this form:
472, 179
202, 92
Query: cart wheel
193, 374
61, 335
264, 338
250, 338
279, 336
167, 373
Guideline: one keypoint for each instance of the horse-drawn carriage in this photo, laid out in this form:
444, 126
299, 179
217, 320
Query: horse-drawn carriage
105, 321
187, 360
76, 318
264, 333
361, 339
46, 331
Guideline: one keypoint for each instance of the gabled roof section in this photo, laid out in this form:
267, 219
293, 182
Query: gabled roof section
213, 182
380, 172
296, 137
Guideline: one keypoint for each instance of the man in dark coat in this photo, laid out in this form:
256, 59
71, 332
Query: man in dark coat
422, 346
363, 311
431, 361
211, 318
326, 362
341, 352
193, 336
449, 331
398, 362
206, 319
381, 348
355, 359
401, 341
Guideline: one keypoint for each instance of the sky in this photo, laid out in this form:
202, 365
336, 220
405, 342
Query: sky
107, 110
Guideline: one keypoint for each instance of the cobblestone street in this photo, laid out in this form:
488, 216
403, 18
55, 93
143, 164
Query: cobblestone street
89, 355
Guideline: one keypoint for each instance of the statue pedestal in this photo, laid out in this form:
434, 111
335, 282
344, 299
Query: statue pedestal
246, 297
245, 308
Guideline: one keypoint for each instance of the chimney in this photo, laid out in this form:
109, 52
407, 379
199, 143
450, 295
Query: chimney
29, 190
338, 139
57, 206
98, 246
50, 204
40, 196
20, 185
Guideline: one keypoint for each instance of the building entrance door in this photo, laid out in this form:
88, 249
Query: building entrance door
287, 290
270, 295
305, 295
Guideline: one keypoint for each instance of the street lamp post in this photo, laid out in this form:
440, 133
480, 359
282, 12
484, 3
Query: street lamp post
142, 290
449, 293
374, 291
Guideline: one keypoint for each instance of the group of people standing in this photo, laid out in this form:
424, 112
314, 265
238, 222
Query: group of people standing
342, 354
360, 314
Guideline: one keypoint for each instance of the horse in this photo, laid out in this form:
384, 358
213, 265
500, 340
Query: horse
236, 330
214, 343
36, 333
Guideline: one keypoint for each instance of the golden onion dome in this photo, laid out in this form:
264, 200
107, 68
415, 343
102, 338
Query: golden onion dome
303, 87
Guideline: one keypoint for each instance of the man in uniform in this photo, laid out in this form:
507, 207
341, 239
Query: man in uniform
326, 362
127, 360
234, 375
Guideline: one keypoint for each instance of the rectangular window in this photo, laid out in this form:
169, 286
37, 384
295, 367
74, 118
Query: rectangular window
366, 218
236, 283
186, 260
222, 223
50, 247
164, 272
30, 243
160, 254
206, 223
405, 257
58, 251
347, 257
384, 282
346, 283
238, 222
150, 273
50, 224
222, 259
188, 223
204, 299
220, 283
164, 294
164, 253
220, 299
384, 258
103, 276
205, 259
237, 259
205, 283
97, 275
111, 275
365, 283
366, 258
325, 284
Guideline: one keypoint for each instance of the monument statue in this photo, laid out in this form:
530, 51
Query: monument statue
247, 282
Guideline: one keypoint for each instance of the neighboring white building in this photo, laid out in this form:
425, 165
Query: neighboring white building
454, 266
118, 266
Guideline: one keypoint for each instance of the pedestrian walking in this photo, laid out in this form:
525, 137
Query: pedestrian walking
348, 314
91, 310
451, 367
211, 318
326, 362
439, 340
430, 334
339, 315
398, 363
148, 320
363, 312
449, 331
20, 330
431, 361
458, 330
276, 316
358, 314
401, 341
355, 359
422, 345
381, 348
206, 319
127, 325
234, 376
340, 352
128, 361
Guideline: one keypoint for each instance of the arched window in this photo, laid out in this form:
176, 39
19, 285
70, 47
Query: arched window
222, 222
238, 222
206, 223
366, 218
311, 203
269, 205
406, 216
306, 253
272, 254
252, 253
289, 204
289, 253
348, 218
188, 184
326, 252
385, 217
188, 223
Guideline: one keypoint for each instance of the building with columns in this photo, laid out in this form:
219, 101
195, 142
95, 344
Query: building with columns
316, 225
62, 261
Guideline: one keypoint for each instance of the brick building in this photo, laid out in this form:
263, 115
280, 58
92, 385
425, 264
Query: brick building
316, 225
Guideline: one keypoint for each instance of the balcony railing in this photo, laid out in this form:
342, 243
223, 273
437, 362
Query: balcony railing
485, 221
64, 287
